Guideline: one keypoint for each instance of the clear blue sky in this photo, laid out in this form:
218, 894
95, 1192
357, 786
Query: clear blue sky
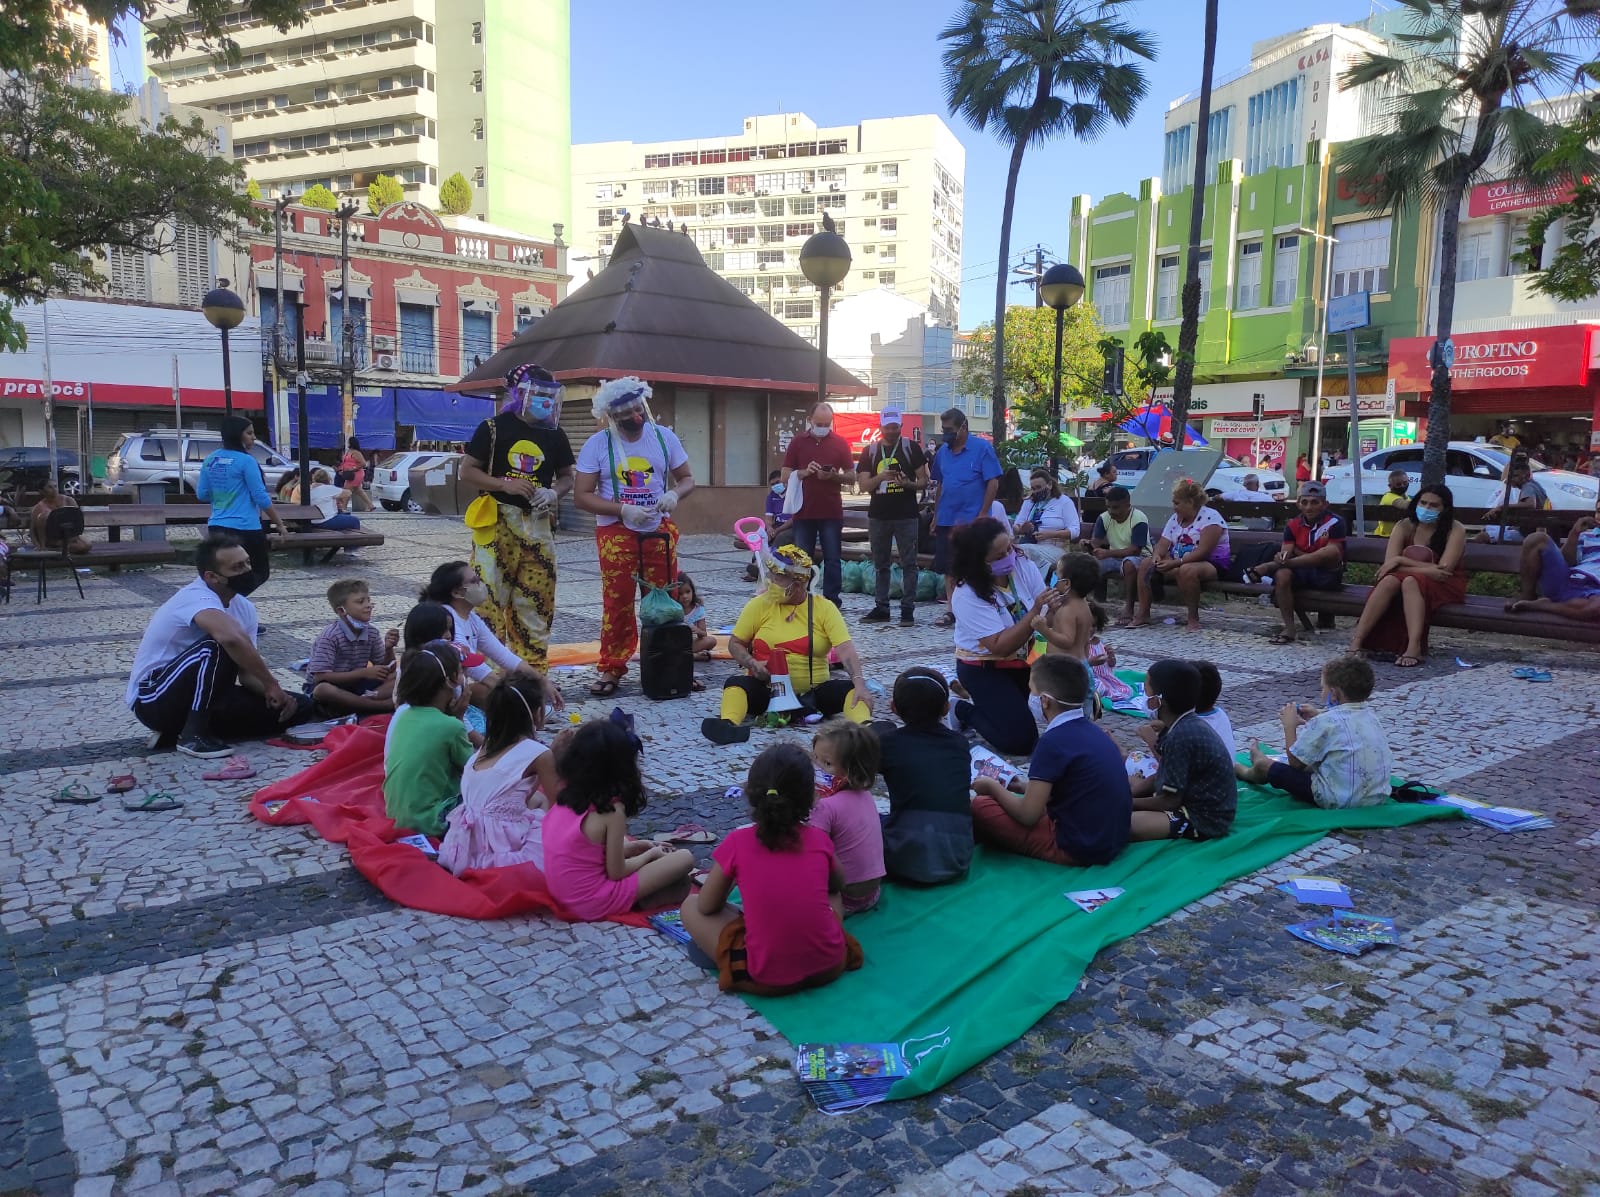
648, 72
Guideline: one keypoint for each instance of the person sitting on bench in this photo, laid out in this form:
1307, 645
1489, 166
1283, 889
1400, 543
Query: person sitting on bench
198, 681
1566, 577
51, 499
1312, 556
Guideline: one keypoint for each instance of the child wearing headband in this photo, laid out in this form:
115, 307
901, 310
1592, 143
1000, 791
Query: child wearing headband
505, 786
927, 766
788, 932
428, 747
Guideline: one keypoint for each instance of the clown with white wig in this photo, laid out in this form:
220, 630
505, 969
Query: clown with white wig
521, 460
786, 631
631, 474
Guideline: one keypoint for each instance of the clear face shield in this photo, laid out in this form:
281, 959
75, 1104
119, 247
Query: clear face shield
534, 395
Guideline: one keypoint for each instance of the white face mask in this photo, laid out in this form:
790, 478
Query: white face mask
476, 592
456, 692
357, 625
1036, 705
821, 430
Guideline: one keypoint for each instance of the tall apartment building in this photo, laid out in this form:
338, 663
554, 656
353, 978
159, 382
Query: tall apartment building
417, 89
96, 43
893, 187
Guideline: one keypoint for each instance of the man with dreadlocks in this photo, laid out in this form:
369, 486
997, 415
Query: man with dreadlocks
631, 474
523, 459
786, 630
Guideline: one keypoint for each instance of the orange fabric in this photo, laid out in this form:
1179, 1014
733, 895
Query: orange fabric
587, 652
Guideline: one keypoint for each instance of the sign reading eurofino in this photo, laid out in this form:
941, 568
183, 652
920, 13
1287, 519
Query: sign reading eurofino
1495, 199
1557, 356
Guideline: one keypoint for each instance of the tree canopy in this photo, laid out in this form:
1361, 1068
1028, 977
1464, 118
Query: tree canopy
1573, 273
318, 196
33, 34
383, 191
455, 195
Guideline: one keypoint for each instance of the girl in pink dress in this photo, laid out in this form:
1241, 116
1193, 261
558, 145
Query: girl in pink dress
591, 866
506, 785
846, 758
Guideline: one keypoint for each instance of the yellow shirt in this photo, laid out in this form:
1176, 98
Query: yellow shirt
770, 627
1390, 499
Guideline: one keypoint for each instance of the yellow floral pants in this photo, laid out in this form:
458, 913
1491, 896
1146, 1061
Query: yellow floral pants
519, 566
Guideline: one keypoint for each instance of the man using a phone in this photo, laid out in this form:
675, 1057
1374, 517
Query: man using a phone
893, 472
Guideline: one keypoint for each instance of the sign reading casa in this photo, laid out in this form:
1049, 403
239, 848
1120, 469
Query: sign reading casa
1519, 358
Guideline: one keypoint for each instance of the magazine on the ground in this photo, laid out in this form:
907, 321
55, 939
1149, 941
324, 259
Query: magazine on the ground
1347, 932
1501, 818
1317, 891
847, 1076
1134, 705
987, 764
1091, 900
420, 843
670, 924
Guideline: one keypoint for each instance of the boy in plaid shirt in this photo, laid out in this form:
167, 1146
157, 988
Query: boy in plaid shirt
352, 667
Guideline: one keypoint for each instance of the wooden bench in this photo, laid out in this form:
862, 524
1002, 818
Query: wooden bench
308, 542
107, 555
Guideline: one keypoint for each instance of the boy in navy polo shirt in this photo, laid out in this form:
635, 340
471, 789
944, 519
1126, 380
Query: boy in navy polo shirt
968, 474
1077, 808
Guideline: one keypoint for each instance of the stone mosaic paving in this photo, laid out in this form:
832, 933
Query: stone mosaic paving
192, 1003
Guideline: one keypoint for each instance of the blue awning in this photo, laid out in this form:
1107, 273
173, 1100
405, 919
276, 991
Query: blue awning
374, 418
438, 415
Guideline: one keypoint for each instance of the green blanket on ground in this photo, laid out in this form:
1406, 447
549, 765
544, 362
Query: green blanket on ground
979, 962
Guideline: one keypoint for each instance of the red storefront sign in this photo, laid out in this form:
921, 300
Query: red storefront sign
1518, 359
124, 394
1496, 199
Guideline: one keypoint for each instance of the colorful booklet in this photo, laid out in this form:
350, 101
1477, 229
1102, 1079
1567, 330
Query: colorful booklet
1317, 891
1134, 705
1347, 932
1501, 818
1091, 900
420, 842
848, 1076
670, 924
987, 764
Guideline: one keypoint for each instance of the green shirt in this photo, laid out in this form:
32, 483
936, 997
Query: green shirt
422, 774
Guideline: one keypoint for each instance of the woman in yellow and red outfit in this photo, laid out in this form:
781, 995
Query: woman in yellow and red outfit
631, 475
786, 629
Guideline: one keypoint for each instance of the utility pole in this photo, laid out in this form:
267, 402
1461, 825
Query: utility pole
280, 407
347, 334
50, 398
300, 390
1033, 275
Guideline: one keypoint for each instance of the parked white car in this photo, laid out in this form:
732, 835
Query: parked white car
1132, 463
391, 477
1473, 472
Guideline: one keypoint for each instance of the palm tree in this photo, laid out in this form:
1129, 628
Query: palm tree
1189, 329
1033, 70
1459, 91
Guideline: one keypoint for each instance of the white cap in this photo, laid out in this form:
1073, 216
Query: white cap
889, 415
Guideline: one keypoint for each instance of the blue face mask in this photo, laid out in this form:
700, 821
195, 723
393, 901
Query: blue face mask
1427, 515
777, 488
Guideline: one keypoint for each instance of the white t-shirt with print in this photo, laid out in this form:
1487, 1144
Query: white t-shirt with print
325, 498
643, 471
1056, 514
173, 632
1184, 539
976, 619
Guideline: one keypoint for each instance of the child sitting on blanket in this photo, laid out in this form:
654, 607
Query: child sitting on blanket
1338, 753
1073, 626
790, 933
927, 834
1076, 806
1194, 793
505, 786
593, 869
351, 670
428, 745
1207, 710
694, 614
846, 759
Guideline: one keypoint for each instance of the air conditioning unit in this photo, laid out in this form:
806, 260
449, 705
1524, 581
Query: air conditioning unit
833, 187
380, 344
385, 361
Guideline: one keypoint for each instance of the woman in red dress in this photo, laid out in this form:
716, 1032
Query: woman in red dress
1421, 572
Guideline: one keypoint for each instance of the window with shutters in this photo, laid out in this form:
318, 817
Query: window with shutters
191, 254
1167, 287
1286, 271
129, 272
1247, 290
1111, 287
1205, 281
1361, 257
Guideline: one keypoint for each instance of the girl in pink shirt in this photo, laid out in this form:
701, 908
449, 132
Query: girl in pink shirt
790, 934
846, 759
590, 865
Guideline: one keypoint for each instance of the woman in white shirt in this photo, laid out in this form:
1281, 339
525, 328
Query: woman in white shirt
458, 586
1192, 551
998, 592
1048, 524
333, 502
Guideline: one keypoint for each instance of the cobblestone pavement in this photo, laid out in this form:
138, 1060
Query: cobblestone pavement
193, 1003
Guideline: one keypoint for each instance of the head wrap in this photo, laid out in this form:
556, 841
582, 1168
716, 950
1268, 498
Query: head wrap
788, 561
619, 394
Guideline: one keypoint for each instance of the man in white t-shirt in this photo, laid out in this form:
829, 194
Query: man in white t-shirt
631, 475
198, 681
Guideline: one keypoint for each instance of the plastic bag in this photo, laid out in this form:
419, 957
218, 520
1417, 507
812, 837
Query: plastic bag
896, 582
793, 495
658, 607
927, 586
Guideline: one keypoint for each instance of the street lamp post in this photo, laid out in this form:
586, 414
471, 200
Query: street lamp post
824, 260
223, 310
1322, 348
1060, 288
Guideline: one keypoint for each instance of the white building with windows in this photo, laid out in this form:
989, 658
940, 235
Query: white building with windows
893, 187
894, 345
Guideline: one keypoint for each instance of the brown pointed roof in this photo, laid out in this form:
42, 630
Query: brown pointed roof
658, 311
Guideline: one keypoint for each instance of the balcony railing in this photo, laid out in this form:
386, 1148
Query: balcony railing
418, 361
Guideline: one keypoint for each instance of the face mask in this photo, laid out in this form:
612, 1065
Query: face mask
630, 425
775, 592
826, 782
1004, 567
455, 692
476, 593
821, 430
948, 438
1427, 515
1036, 705
1040, 496
1327, 701
358, 625
243, 584
777, 488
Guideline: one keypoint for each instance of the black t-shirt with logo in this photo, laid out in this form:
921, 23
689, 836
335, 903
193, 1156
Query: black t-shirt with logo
898, 500
520, 451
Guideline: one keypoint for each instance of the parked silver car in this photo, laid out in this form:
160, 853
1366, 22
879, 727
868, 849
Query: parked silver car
173, 459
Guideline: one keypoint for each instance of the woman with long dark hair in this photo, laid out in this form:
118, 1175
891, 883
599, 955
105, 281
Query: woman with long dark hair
231, 481
997, 594
1421, 572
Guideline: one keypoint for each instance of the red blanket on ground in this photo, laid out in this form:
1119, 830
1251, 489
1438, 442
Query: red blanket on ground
348, 788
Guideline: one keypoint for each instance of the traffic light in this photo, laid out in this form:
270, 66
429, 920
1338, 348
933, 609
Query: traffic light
1111, 382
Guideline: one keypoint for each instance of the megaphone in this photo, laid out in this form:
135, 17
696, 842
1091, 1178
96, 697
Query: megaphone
783, 697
